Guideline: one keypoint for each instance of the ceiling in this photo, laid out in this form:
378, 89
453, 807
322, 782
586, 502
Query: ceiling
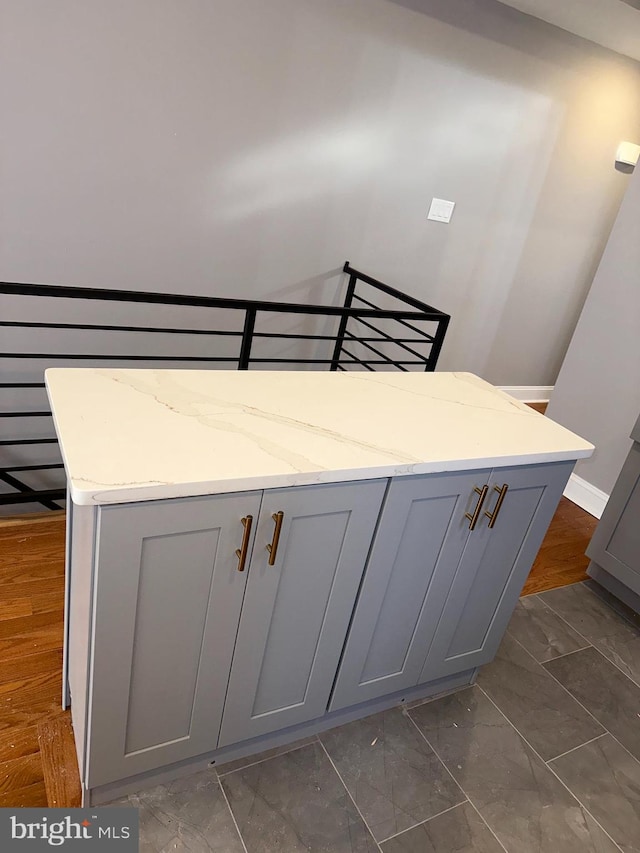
612, 23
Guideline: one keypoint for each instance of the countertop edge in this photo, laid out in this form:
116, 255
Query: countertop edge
168, 491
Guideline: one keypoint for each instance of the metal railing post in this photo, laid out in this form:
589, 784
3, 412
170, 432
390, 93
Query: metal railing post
342, 328
247, 339
438, 340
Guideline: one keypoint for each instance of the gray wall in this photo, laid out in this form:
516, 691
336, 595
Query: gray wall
238, 147
598, 390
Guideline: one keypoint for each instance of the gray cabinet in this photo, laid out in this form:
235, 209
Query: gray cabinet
296, 612
365, 588
437, 596
169, 598
615, 546
494, 567
419, 543
167, 595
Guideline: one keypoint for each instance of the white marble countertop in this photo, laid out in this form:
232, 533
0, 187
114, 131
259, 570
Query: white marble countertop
132, 435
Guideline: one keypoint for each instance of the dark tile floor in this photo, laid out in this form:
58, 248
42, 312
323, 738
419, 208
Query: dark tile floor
542, 754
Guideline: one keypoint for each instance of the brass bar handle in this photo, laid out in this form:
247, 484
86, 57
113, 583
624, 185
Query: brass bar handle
473, 519
272, 548
492, 516
241, 552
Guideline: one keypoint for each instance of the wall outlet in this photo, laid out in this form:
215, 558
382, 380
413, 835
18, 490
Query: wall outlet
441, 210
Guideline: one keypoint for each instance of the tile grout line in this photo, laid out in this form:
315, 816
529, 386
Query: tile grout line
348, 793
557, 657
606, 730
575, 699
561, 617
426, 820
566, 690
579, 746
261, 760
551, 770
469, 800
233, 817
593, 645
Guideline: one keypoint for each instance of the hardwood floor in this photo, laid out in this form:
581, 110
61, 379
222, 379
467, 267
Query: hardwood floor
37, 759
561, 559
37, 756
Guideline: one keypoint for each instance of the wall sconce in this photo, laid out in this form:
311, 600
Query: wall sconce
627, 156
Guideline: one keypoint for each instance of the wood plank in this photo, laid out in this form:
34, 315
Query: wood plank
28, 626
22, 647
20, 772
34, 796
29, 666
59, 762
12, 608
543, 582
26, 702
31, 544
32, 588
22, 565
46, 602
18, 741
561, 559
53, 516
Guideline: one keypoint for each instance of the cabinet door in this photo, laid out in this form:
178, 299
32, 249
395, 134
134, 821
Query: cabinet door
296, 612
494, 567
167, 606
418, 545
616, 543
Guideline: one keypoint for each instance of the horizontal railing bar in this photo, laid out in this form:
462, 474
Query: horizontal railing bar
402, 322
357, 360
37, 496
426, 338
391, 291
25, 414
99, 327
325, 361
22, 385
327, 337
377, 352
15, 442
155, 298
117, 357
14, 483
395, 341
32, 467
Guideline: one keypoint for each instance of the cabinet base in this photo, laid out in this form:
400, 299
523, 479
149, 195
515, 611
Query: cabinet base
614, 586
114, 790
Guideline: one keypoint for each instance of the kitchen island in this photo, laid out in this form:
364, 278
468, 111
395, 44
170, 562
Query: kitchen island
255, 556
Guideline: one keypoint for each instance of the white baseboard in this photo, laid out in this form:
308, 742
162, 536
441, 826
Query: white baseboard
590, 498
529, 393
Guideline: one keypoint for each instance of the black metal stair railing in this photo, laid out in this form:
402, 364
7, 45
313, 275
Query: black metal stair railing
377, 327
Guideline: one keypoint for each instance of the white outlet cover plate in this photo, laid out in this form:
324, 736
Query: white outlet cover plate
441, 210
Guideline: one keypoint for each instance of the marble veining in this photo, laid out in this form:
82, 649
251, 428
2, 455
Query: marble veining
129, 435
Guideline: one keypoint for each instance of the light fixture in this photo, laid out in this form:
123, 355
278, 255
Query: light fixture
627, 156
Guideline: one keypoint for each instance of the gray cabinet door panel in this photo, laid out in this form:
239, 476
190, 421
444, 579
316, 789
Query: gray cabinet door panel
494, 567
167, 604
296, 612
418, 545
616, 543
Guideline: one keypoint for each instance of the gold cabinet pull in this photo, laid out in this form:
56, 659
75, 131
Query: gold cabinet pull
492, 516
473, 519
241, 552
272, 548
